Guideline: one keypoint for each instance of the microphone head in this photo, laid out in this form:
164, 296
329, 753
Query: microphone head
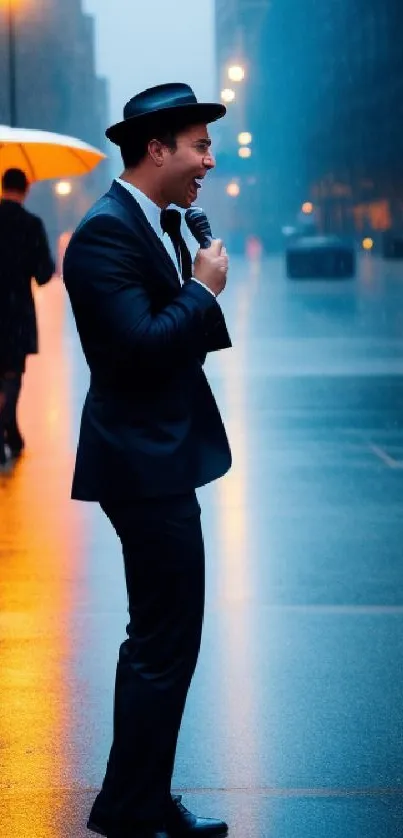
199, 226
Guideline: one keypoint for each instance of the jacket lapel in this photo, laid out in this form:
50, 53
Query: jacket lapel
120, 194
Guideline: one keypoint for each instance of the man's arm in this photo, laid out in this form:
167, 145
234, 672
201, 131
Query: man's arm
105, 276
44, 266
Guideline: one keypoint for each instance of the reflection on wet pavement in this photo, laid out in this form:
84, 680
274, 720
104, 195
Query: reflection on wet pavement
293, 725
38, 585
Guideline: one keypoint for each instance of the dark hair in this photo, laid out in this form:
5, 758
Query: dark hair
15, 180
134, 148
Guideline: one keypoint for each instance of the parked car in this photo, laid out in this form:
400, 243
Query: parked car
309, 257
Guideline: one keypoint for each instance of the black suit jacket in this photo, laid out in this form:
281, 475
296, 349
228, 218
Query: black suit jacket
150, 425
24, 254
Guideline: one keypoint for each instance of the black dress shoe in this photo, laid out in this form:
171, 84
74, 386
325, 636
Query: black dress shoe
180, 822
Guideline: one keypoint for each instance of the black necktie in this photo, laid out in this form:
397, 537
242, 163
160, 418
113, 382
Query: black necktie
171, 225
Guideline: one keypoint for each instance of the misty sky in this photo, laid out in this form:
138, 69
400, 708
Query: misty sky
145, 42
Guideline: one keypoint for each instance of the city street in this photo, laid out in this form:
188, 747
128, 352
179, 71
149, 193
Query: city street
294, 724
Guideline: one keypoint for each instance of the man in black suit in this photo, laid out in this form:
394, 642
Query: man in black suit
24, 254
150, 435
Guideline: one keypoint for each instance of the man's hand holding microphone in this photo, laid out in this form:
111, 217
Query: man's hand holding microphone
211, 266
211, 262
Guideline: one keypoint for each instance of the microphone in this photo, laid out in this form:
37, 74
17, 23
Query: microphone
199, 226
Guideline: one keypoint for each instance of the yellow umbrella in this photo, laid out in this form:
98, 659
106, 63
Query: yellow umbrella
43, 155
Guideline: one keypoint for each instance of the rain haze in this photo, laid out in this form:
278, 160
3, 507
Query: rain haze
294, 718
142, 44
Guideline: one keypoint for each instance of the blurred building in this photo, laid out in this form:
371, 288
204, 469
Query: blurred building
322, 97
57, 89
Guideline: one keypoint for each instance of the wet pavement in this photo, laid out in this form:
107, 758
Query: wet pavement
294, 724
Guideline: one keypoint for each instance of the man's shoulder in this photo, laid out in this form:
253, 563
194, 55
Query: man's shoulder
17, 210
104, 206
109, 219
24, 224
108, 207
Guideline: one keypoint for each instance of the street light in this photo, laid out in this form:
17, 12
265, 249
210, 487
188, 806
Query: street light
245, 152
368, 243
233, 189
227, 95
244, 138
63, 188
236, 73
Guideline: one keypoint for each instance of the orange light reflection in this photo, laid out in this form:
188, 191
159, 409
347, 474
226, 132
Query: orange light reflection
38, 528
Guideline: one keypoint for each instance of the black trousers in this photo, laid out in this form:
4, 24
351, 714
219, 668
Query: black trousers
164, 566
10, 388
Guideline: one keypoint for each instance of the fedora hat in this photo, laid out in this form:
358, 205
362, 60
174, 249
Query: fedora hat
162, 103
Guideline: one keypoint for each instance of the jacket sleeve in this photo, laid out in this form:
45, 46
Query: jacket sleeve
105, 273
43, 264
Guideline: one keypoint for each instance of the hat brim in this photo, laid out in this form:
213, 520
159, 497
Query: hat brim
203, 113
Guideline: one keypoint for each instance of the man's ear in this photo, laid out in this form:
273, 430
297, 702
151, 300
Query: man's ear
156, 152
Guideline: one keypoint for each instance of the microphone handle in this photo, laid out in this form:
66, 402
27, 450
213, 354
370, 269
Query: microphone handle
205, 242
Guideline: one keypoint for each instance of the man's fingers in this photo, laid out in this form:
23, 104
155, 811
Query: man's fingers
216, 246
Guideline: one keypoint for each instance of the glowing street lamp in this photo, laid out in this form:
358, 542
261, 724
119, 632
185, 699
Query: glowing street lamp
245, 152
63, 188
244, 138
227, 95
307, 208
368, 243
233, 189
236, 73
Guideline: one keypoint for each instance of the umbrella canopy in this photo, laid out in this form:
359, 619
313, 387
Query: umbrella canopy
43, 155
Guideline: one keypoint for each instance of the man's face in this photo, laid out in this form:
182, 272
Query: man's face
184, 168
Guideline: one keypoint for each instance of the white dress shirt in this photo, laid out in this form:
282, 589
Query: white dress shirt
152, 213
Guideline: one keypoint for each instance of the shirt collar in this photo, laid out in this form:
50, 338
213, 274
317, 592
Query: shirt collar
151, 211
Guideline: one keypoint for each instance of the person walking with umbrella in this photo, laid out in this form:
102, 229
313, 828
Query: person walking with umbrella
24, 254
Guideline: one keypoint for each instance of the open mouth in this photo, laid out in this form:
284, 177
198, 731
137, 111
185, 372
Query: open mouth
194, 187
